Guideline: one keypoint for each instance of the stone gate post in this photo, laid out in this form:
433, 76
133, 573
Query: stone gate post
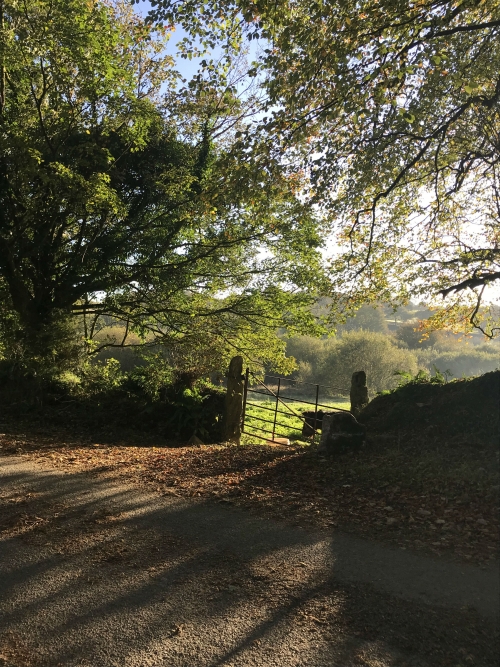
234, 400
359, 392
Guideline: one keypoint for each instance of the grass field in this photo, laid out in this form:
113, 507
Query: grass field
288, 423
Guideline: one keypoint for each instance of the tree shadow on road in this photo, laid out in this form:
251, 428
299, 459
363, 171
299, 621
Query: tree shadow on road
96, 573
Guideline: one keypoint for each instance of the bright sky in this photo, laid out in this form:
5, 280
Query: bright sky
187, 68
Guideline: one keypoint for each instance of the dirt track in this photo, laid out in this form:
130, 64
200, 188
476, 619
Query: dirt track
97, 573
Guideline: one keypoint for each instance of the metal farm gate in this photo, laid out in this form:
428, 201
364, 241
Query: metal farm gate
282, 408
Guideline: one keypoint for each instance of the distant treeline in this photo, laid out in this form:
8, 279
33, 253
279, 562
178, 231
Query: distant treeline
383, 343
376, 340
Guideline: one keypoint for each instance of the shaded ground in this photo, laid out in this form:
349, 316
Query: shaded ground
421, 494
117, 554
97, 573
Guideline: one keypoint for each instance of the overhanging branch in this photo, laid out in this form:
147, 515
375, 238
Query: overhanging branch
479, 280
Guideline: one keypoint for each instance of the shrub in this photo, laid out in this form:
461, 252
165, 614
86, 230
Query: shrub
197, 412
409, 334
307, 350
372, 352
367, 318
332, 361
467, 363
99, 377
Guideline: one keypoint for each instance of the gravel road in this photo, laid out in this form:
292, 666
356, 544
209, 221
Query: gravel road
98, 573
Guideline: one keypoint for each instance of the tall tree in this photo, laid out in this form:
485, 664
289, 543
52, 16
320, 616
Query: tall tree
114, 203
395, 106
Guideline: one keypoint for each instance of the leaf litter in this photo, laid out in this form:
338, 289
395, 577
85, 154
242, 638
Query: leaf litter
414, 497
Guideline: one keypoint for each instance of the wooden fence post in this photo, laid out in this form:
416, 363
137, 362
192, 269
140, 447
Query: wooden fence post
359, 392
234, 400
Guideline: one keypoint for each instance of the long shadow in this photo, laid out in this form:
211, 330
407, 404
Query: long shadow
243, 588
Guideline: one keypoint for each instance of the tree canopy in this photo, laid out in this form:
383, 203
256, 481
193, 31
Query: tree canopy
393, 110
122, 196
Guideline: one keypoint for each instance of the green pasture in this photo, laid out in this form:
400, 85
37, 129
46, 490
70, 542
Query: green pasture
288, 423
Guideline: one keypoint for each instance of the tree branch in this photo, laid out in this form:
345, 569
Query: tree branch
479, 280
